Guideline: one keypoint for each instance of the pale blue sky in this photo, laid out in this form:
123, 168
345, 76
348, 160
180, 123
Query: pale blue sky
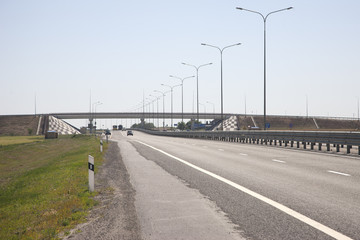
118, 49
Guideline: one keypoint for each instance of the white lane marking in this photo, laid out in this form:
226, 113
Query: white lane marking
205, 146
339, 173
289, 211
243, 154
279, 161
221, 150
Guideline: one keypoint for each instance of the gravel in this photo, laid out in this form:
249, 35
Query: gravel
115, 216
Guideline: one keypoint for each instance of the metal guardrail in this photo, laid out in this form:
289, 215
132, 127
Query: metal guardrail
312, 138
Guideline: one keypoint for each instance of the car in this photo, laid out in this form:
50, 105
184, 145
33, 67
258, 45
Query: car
107, 132
129, 133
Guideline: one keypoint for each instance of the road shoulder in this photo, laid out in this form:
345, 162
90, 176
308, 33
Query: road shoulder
115, 216
167, 208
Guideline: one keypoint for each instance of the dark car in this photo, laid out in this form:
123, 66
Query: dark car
107, 132
129, 133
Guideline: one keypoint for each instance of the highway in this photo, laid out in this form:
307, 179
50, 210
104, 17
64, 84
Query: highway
266, 192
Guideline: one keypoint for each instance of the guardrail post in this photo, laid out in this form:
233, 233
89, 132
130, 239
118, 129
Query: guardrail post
320, 146
358, 150
304, 143
275, 142
286, 143
337, 148
328, 147
348, 147
297, 144
280, 143
292, 144
312, 146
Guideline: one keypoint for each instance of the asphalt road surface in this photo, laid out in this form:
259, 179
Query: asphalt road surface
250, 191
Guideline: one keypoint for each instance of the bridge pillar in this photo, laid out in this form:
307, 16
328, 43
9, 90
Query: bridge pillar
142, 120
90, 125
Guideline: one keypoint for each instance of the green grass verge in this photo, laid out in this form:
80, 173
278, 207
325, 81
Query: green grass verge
7, 140
44, 186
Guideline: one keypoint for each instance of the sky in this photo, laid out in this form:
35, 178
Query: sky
117, 52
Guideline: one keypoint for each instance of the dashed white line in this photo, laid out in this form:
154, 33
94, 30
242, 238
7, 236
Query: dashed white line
339, 173
243, 154
289, 211
279, 161
221, 150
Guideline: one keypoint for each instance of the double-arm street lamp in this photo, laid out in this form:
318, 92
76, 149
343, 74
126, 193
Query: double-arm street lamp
264, 18
221, 56
171, 87
197, 83
182, 94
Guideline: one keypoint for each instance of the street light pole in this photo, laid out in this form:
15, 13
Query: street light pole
265, 18
221, 56
182, 94
157, 108
163, 94
171, 87
197, 83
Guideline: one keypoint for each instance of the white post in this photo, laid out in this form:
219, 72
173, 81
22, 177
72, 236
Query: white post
91, 173
101, 146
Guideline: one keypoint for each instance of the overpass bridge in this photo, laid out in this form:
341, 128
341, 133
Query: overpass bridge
139, 115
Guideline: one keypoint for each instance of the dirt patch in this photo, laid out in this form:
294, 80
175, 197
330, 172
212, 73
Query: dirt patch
115, 216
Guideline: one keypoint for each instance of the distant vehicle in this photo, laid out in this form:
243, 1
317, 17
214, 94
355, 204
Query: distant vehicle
129, 133
120, 127
115, 127
107, 132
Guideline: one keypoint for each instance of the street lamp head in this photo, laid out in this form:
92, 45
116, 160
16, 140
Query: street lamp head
203, 44
289, 8
239, 8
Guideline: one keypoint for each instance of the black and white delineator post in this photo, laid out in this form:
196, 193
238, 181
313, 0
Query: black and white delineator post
91, 173
101, 146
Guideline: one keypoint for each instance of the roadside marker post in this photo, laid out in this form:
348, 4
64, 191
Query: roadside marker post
91, 173
101, 146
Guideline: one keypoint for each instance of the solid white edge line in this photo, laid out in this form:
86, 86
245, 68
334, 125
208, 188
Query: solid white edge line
339, 173
277, 205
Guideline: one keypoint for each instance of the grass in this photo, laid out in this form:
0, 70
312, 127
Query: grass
44, 185
7, 140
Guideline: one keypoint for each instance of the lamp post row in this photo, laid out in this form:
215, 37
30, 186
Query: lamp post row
264, 17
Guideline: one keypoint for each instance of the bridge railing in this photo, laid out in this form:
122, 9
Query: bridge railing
292, 138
